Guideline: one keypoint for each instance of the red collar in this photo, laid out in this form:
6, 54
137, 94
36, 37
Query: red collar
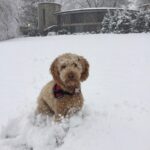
60, 93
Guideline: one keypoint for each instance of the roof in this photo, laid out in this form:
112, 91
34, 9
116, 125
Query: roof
48, 3
73, 11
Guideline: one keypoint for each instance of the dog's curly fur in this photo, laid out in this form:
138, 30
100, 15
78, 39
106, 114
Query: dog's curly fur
68, 70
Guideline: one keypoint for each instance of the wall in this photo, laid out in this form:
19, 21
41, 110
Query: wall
46, 15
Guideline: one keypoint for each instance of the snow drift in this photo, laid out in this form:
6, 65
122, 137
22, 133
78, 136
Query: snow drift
117, 108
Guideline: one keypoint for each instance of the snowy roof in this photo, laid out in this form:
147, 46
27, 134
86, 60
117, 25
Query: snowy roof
48, 3
93, 9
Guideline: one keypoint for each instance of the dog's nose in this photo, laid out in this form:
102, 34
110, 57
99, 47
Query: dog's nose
71, 75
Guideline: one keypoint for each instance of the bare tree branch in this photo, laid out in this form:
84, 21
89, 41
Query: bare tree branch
102, 3
95, 3
89, 3
115, 3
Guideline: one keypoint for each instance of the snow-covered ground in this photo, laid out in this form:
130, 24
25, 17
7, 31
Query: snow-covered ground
116, 115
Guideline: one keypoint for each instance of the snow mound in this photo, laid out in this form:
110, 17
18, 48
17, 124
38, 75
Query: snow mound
39, 132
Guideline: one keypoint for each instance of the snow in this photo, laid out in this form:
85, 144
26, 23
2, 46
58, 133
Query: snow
117, 107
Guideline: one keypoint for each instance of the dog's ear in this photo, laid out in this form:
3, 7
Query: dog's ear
85, 68
54, 70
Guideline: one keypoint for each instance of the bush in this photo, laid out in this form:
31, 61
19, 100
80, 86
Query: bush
142, 22
126, 21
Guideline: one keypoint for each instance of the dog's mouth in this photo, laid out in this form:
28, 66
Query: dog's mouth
71, 80
71, 85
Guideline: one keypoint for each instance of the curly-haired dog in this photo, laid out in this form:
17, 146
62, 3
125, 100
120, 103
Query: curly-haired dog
63, 96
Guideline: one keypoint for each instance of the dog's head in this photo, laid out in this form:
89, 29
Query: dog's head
69, 69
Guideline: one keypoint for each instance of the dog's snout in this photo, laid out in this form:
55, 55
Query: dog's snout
71, 75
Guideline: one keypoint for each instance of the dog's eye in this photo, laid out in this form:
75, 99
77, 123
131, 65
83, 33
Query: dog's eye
63, 67
75, 65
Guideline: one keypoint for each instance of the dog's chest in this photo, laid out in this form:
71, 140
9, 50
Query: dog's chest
67, 102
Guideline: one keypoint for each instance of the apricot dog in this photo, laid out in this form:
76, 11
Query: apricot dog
62, 96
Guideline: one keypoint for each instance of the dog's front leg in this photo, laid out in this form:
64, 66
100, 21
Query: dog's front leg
60, 114
58, 117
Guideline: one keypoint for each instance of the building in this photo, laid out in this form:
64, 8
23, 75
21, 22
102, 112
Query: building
46, 15
51, 18
82, 20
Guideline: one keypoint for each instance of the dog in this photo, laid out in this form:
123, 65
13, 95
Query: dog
62, 96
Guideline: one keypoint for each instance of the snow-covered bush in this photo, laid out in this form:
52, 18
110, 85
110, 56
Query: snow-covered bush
147, 20
8, 19
142, 22
119, 21
106, 23
125, 21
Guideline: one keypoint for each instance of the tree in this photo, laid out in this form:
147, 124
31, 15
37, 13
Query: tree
73, 4
109, 22
29, 14
124, 22
120, 21
147, 21
142, 22
105, 25
8, 19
